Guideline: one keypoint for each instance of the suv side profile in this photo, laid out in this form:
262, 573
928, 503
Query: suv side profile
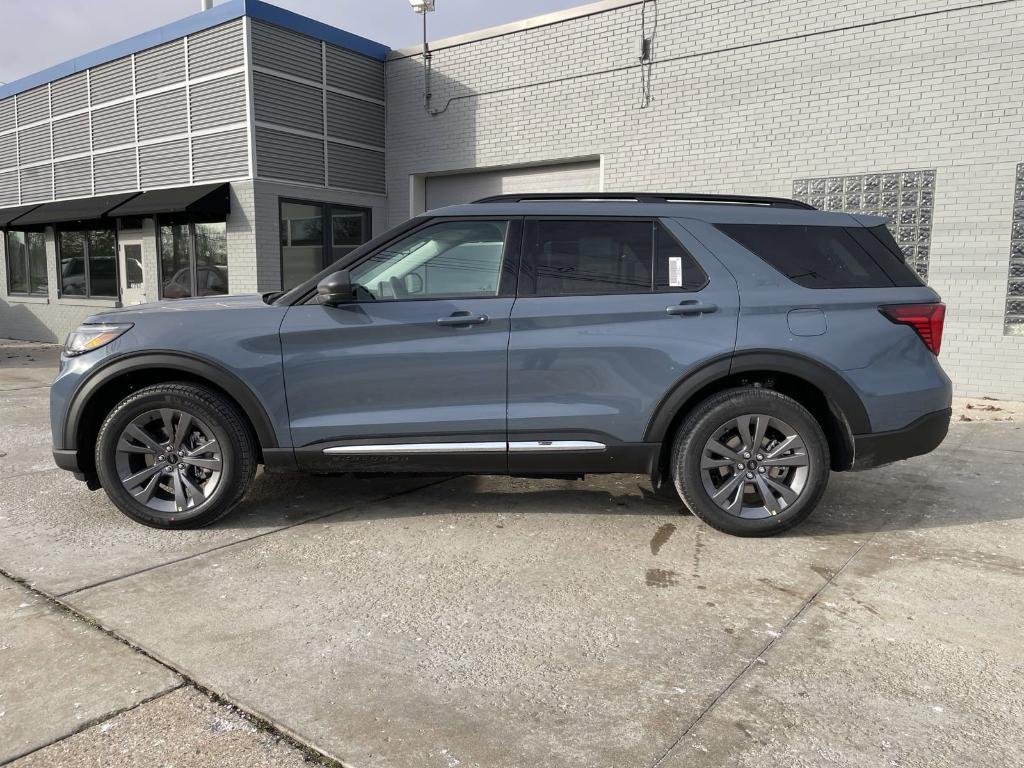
735, 349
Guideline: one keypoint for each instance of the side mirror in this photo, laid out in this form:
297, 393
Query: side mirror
335, 289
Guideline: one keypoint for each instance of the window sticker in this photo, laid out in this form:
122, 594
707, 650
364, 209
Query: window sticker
675, 271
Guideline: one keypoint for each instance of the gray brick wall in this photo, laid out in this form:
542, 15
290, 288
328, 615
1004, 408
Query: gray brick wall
748, 98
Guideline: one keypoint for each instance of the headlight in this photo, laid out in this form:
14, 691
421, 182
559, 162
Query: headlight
86, 338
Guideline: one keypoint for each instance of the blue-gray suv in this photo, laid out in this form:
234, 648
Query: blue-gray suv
736, 349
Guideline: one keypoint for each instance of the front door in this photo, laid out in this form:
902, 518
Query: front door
132, 286
412, 373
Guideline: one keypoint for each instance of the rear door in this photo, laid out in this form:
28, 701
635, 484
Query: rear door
611, 314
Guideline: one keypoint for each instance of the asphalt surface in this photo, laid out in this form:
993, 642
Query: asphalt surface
487, 621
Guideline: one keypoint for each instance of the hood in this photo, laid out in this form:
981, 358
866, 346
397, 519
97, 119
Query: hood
174, 306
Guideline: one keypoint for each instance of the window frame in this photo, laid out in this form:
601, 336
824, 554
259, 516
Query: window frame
327, 256
28, 262
189, 220
87, 226
528, 280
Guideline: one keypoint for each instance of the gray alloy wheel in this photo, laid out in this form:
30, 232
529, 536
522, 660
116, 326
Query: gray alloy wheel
168, 460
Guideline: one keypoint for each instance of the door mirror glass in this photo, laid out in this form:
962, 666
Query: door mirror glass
414, 283
335, 289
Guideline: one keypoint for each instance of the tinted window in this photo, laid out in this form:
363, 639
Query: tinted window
814, 257
315, 234
588, 257
674, 268
879, 242
26, 262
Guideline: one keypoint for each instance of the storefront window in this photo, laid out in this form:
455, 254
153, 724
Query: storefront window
314, 235
193, 258
88, 262
26, 263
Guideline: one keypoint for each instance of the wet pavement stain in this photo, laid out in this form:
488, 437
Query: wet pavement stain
656, 577
661, 537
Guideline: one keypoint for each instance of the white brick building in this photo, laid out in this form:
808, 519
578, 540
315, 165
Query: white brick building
913, 109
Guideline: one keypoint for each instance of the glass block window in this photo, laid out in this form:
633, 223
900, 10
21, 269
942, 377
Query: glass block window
1015, 280
905, 198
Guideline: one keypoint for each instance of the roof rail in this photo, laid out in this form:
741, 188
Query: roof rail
650, 197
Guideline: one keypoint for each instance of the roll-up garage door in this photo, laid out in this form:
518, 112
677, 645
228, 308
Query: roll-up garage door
466, 187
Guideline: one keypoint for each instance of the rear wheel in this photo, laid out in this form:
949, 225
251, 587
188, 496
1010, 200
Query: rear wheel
750, 462
175, 456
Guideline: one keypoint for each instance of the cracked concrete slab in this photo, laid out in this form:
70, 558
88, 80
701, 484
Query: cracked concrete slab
59, 674
182, 728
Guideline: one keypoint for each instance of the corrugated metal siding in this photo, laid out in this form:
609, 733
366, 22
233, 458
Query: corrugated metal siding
162, 165
220, 156
71, 135
7, 114
69, 94
115, 171
8, 150
37, 183
355, 168
113, 125
33, 105
73, 178
218, 102
352, 72
34, 144
286, 51
159, 66
9, 188
163, 114
110, 81
216, 49
355, 120
289, 157
287, 103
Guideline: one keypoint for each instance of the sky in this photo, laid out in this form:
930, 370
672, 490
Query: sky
40, 33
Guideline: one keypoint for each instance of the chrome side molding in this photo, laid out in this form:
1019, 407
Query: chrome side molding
519, 446
530, 446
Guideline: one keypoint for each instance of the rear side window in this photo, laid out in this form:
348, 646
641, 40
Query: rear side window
824, 257
581, 257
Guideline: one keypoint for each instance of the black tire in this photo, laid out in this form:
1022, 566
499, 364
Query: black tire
719, 412
236, 445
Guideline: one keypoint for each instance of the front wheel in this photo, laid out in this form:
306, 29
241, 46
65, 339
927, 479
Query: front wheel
175, 456
750, 462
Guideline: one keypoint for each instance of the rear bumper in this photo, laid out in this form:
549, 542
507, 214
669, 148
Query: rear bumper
921, 436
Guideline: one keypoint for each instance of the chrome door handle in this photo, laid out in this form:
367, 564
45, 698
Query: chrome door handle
462, 318
691, 308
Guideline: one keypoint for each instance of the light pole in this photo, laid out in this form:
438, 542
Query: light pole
423, 7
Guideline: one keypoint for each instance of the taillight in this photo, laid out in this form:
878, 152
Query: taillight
926, 319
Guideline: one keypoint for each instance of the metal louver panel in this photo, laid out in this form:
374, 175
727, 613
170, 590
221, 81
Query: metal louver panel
72, 178
69, 94
34, 144
355, 168
287, 103
162, 114
162, 65
8, 150
216, 49
161, 165
7, 114
115, 171
286, 51
113, 125
33, 105
220, 156
218, 102
110, 81
352, 72
355, 120
71, 135
37, 183
8, 187
289, 157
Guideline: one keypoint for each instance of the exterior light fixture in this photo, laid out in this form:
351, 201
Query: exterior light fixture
423, 7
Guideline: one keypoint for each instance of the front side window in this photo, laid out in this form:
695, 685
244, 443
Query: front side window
454, 259
315, 234
26, 263
193, 258
88, 262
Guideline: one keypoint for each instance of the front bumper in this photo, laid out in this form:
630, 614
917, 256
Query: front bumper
921, 436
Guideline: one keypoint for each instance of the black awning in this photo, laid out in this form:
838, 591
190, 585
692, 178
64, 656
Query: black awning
204, 199
73, 210
7, 215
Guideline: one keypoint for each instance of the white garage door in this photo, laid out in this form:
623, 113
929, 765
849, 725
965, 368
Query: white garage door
466, 187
